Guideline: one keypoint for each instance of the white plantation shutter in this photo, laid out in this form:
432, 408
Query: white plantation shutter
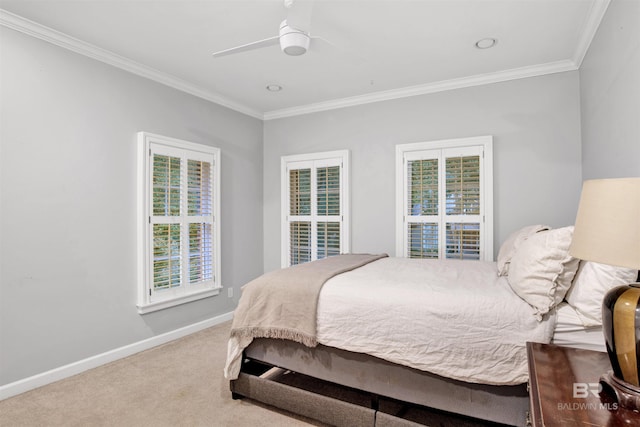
315, 214
166, 179
422, 205
300, 246
200, 220
300, 208
328, 210
463, 202
328, 236
179, 232
167, 259
446, 199
463, 184
328, 191
167, 185
200, 252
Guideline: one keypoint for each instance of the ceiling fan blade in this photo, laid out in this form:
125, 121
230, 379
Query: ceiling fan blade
299, 14
271, 41
322, 45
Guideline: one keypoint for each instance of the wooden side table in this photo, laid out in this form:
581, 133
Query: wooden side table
565, 390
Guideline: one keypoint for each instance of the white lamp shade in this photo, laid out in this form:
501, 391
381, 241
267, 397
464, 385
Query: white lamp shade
607, 228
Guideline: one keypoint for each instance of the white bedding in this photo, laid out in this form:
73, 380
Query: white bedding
465, 324
570, 331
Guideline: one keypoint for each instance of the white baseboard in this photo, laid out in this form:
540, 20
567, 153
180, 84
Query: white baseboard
57, 374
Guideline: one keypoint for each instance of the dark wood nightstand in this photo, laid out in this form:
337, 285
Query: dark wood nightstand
564, 389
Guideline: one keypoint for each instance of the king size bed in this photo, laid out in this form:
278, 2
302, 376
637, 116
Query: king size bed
445, 334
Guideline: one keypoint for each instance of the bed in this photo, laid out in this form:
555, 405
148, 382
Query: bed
446, 334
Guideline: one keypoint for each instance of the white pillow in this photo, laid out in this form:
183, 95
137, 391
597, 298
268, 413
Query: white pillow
592, 281
541, 270
509, 247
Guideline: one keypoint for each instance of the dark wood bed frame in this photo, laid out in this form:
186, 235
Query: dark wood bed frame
501, 404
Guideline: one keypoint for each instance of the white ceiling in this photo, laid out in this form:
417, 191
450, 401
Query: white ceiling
385, 48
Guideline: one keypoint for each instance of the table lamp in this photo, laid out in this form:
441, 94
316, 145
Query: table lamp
607, 231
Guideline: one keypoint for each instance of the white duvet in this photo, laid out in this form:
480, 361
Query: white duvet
457, 319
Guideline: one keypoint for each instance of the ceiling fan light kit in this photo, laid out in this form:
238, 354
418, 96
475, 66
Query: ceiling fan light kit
294, 36
293, 42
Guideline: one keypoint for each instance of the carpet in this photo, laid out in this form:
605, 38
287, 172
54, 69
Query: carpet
176, 384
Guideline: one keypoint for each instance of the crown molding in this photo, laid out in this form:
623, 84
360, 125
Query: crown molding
18, 23
441, 86
597, 12
594, 18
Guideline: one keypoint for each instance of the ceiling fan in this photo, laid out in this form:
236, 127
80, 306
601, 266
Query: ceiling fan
292, 38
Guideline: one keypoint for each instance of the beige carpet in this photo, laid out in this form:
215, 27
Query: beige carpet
176, 384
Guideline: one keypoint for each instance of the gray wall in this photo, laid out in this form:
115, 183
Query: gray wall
67, 177
537, 165
68, 203
610, 95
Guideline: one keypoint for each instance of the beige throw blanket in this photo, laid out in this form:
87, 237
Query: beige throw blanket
283, 304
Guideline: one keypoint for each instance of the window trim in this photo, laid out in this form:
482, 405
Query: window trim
144, 247
315, 160
486, 144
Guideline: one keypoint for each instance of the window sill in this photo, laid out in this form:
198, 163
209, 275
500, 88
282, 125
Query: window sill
161, 305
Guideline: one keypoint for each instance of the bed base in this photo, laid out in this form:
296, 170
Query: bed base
376, 377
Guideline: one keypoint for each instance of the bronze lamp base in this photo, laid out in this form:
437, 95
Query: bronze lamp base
627, 395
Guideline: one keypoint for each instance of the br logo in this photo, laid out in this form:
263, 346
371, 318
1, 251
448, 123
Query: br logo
582, 390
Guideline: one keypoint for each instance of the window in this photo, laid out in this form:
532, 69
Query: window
445, 199
179, 227
315, 211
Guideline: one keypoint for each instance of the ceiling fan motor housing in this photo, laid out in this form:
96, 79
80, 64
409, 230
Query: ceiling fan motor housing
293, 42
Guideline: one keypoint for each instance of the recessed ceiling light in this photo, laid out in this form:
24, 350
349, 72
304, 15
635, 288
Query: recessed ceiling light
274, 88
486, 43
